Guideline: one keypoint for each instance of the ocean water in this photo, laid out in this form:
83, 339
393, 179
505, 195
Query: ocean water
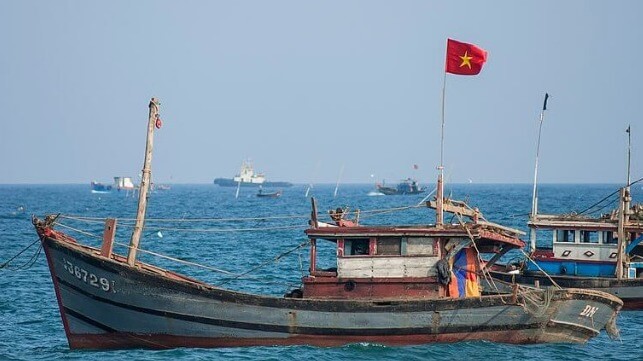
205, 227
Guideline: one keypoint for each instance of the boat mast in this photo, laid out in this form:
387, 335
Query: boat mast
628, 197
623, 213
534, 197
145, 183
629, 151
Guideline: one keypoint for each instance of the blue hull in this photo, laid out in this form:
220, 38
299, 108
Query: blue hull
100, 188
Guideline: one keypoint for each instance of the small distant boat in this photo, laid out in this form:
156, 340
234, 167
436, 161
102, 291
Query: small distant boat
160, 187
269, 194
375, 193
100, 187
248, 178
407, 186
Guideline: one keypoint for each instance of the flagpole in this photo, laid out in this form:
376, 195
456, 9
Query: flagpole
461, 59
444, 86
439, 217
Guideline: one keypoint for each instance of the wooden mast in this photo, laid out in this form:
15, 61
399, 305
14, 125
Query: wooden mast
623, 214
621, 234
145, 183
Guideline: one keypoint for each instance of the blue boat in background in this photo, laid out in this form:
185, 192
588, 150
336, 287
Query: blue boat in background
100, 187
407, 186
574, 250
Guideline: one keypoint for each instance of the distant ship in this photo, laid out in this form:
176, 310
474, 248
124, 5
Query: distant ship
100, 187
407, 186
248, 178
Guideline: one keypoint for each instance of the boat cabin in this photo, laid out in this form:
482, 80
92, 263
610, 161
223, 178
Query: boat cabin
248, 175
578, 246
401, 262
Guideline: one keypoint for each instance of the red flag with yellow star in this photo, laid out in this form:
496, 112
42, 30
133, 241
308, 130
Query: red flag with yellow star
463, 58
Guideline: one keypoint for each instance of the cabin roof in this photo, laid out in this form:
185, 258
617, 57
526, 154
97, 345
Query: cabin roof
570, 222
485, 233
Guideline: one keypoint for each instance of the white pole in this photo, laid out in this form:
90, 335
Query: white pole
341, 171
439, 214
534, 197
629, 150
238, 186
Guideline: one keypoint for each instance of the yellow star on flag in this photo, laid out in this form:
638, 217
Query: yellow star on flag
466, 60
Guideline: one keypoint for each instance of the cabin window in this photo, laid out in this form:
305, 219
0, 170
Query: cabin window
326, 253
389, 246
610, 238
589, 237
356, 247
544, 238
565, 236
420, 246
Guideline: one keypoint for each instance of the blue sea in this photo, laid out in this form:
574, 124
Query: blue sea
207, 225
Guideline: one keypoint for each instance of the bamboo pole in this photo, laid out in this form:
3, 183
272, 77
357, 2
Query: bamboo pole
620, 255
145, 183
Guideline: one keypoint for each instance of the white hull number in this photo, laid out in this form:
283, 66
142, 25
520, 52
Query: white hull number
589, 311
88, 277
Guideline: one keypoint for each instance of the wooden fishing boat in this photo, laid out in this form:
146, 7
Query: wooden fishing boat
578, 251
602, 253
392, 285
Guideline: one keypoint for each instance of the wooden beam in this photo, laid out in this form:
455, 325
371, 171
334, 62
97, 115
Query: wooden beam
108, 238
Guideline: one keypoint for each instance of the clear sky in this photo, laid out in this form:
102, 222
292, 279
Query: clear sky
304, 88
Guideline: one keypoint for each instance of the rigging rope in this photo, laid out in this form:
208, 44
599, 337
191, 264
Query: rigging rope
485, 272
532, 297
212, 230
611, 194
148, 221
178, 260
194, 264
274, 259
89, 219
542, 270
78, 230
29, 263
529, 295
